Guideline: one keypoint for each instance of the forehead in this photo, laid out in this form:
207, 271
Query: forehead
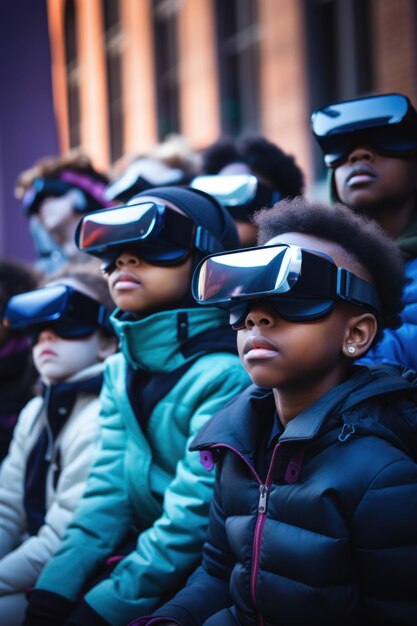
340, 256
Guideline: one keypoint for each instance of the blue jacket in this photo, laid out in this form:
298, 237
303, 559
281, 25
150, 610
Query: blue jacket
326, 533
173, 373
400, 346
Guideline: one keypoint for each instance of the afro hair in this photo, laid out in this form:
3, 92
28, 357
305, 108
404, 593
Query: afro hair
359, 236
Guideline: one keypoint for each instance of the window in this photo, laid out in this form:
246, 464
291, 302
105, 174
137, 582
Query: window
339, 54
113, 50
72, 72
165, 37
238, 63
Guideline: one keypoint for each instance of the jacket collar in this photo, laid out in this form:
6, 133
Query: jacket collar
364, 383
158, 342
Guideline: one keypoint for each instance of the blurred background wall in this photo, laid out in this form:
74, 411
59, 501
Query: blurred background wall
127, 73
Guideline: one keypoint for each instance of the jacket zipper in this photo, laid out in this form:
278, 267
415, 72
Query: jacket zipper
259, 527
261, 517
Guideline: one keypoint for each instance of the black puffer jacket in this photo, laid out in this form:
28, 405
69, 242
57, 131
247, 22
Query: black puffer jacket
329, 537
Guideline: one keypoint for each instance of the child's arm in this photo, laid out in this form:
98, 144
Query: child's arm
103, 515
171, 548
21, 567
207, 590
384, 539
12, 476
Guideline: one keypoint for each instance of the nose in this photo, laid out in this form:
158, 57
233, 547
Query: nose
127, 258
46, 334
260, 314
361, 153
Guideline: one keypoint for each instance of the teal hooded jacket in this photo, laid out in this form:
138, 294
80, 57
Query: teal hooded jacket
145, 479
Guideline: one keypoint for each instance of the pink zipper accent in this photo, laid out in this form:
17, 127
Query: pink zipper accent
261, 518
260, 523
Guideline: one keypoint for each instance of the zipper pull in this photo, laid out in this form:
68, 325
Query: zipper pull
263, 495
346, 432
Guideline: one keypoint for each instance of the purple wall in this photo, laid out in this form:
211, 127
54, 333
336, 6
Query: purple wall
27, 124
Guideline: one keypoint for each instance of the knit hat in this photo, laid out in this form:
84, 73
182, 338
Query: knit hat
202, 209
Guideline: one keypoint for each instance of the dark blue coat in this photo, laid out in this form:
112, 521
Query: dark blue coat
329, 536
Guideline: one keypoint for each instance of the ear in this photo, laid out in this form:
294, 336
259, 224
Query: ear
108, 346
360, 333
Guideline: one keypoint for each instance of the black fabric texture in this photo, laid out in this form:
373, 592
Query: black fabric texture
17, 377
146, 389
46, 608
84, 615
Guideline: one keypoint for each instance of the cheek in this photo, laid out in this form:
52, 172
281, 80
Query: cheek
241, 337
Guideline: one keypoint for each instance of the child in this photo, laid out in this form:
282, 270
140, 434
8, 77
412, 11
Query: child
147, 496
313, 519
277, 176
370, 147
45, 472
17, 374
55, 192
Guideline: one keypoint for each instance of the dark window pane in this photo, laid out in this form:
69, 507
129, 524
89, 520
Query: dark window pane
339, 59
165, 37
238, 64
113, 41
72, 72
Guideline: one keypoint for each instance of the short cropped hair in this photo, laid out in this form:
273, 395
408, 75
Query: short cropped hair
359, 236
51, 167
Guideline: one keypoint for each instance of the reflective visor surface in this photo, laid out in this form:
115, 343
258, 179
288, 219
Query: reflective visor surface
34, 307
344, 117
271, 269
118, 225
228, 189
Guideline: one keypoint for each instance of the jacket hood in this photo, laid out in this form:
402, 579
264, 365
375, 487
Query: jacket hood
369, 402
159, 342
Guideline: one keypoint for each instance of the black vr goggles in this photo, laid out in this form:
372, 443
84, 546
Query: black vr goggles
70, 313
143, 174
302, 285
240, 194
388, 123
155, 232
91, 191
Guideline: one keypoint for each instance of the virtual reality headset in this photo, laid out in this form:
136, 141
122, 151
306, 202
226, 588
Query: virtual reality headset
302, 285
240, 194
70, 313
143, 174
155, 232
388, 123
91, 196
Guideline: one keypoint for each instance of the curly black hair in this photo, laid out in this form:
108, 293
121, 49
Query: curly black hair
271, 163
263, 158
359, 236
219, 154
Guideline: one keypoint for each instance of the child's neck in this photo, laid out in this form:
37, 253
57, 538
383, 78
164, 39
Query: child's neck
291, 401
395, 220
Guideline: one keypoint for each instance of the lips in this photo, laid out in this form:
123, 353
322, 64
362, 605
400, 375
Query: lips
47, 354
259, 347
360, 175
124, 280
